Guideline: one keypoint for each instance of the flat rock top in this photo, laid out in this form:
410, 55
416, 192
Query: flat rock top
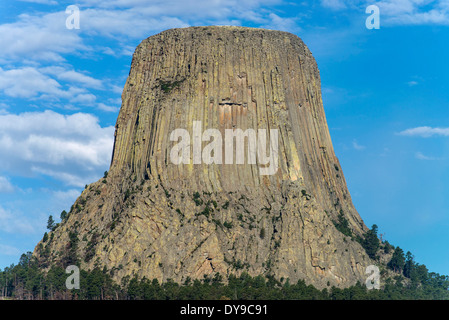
221, 32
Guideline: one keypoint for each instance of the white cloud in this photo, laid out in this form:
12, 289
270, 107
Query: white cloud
71, 148
68, 195
412, 83
357, 146
5, 185
30, 82
279, 23
334, 4
425, 132
400, 12
420, 156
42, 37
414, 12
27, 82
72, 76
135, 22
107, 108
9, 250
51, 2
14, 223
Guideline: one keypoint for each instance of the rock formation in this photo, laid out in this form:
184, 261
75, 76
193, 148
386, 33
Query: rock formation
154, 218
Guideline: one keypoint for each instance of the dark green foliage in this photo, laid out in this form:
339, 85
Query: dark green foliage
387, 247
63, 215
71, 257
397, 261
27, 281
50, 223
305, 194
90, 250
196, 199
227, 224
262, 233
371, 242
45, 238
217, 222
409, 265
168, 86
127, 194
342, 224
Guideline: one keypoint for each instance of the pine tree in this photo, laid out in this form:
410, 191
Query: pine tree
371, 242
50, 223
397, 260
409, 265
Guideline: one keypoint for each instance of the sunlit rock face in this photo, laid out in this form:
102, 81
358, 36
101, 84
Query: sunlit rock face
185, 198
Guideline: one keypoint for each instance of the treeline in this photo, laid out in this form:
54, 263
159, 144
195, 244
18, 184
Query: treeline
26, 281
401, 278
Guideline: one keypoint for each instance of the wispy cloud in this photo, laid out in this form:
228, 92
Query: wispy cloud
72, 76
425, 132
107, 108
357, 146
9, 250
420, 156
14, 223
400, 12
50, 2
334, 4
5, 185
415, 12
281, 23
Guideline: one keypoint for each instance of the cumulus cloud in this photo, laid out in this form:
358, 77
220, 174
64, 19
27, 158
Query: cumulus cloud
41, 37
425, 132
31, 82
72, 76
27, 82
71, 148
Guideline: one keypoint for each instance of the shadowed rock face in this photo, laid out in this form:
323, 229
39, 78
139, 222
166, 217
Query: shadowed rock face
162, 220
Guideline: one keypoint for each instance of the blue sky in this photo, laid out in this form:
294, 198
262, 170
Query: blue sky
385, 93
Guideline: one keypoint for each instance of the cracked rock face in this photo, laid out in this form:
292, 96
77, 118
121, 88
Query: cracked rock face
162, 220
